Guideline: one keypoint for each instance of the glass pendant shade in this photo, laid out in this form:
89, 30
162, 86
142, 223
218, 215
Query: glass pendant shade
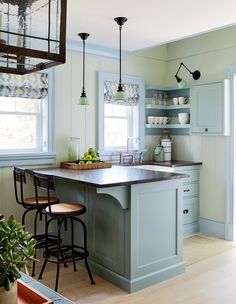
32, 35
83, 98
182, 84
83, 101
120, 94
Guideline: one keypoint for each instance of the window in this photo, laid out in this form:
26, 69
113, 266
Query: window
26, 119
120, 122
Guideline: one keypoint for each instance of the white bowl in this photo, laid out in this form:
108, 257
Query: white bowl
183, 118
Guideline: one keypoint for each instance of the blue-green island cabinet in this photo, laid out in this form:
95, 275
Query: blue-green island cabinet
210, 108
135, 230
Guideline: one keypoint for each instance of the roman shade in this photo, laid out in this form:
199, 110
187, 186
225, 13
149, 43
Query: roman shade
34, 85
131, 90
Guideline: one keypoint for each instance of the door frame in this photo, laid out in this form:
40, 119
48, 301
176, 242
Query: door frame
230, 220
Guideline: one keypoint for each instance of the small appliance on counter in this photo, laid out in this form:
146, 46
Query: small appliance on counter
166, 142
158, 153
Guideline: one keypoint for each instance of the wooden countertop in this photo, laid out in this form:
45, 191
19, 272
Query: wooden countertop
115, 176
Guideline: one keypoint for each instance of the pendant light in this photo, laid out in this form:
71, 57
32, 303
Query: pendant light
182, 83
83, 98
32, 35
120, 94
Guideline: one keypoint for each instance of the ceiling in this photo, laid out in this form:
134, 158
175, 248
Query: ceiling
150, 22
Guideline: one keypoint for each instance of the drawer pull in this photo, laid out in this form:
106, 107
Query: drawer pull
186, 190
185, 211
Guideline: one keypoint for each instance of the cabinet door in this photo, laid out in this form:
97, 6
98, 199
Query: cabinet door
209, 107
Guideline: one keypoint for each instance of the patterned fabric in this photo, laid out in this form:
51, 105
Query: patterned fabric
131, 90
34, 85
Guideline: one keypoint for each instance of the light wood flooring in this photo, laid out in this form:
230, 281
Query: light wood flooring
210, 278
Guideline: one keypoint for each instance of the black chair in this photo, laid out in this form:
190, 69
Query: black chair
63, 212
30, 204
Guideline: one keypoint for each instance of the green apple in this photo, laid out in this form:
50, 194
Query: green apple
81, 162
88, 157
89, 162
90, 150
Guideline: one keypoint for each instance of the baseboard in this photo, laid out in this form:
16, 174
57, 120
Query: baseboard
140, 282
192, 228
212, 227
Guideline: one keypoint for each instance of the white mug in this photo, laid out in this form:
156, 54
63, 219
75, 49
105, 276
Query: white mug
175, 100
161, 120
183, 118
150, 120
182, 100
166, 120
156, 120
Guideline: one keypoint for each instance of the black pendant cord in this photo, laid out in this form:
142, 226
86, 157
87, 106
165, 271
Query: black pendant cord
120, 21
83, 36
83, 88
120, 81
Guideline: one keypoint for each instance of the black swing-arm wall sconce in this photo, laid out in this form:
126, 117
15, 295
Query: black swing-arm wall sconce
182, 83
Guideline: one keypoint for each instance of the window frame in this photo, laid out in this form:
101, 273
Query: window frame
38, 158
102, 77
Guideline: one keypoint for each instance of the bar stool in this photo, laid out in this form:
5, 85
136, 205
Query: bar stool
31, 204
62, 212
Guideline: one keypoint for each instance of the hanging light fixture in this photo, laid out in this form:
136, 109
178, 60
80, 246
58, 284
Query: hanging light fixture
32, 35
83, 98
182, 83
120, 94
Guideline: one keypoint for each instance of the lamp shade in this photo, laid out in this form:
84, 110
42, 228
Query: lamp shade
120, 95
32, 35
83, 101
182, 84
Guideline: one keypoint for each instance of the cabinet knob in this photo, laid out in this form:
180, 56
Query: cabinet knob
206, 129
186, 190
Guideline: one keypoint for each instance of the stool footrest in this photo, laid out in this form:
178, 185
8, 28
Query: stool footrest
66, 254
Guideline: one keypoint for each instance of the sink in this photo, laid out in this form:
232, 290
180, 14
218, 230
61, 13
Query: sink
154, 168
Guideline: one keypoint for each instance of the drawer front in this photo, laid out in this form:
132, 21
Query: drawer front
193, 175
190, 189
190, 211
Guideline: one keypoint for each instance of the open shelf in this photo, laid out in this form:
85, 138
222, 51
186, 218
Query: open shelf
168, 126
167, 107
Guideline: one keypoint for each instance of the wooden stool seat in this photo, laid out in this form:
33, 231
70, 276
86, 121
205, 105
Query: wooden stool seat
42, 201
66, 209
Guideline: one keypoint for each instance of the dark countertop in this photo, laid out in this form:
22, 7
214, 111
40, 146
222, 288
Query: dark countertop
173, 163
115, 176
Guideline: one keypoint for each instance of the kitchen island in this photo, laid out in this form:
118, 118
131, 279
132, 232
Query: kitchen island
134, 219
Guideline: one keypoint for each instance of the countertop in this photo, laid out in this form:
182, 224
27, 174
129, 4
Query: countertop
115, 176
173, 163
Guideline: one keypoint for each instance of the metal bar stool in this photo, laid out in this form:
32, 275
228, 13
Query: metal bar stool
31, 204
62, 212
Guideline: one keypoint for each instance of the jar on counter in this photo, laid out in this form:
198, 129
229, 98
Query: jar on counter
74, 149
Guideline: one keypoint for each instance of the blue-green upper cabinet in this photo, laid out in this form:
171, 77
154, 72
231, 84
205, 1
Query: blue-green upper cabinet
210, 108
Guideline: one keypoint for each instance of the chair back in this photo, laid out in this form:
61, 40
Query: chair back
19, 181
45, 182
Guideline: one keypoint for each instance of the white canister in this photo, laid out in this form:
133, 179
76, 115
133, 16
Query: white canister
166, 143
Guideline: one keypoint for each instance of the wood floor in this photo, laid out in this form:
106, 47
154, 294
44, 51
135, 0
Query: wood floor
209, 279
